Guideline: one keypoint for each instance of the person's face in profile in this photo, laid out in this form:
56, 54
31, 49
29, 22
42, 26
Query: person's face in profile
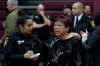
9, 6
75, 9
27, 27
87, 9
40, 8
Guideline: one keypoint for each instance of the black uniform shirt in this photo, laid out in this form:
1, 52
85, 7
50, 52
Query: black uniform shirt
18, 45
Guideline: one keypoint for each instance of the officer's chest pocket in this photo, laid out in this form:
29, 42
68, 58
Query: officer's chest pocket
23, 45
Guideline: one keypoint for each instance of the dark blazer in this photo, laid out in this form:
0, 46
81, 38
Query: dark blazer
81, 25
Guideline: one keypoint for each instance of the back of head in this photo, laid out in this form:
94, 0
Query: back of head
21, 12
22, 19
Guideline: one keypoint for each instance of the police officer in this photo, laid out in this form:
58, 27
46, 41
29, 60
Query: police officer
22, 47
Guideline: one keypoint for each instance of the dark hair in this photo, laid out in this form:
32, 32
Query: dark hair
21, 12
22, 20
65, 21
67, 6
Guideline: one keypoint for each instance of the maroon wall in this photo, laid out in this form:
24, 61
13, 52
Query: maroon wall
3, 13
57, 5
96, 6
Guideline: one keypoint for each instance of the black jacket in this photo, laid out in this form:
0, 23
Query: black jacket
93, 48
65, 52
16, 47
43, 33
81, 25
92, 44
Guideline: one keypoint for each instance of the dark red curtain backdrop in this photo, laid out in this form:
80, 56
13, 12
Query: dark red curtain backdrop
3, 13
96, 6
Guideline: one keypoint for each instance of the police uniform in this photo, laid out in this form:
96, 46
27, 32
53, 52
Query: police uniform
43, 33
18, 45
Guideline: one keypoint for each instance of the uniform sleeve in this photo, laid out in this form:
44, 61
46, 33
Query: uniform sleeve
11, 54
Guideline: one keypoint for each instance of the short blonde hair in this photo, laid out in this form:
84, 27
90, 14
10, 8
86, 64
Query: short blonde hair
80, 5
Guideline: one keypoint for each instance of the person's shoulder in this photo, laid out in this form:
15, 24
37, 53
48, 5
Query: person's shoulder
54, 41
14, 35
98, 27
97, 30
75, 40
85, 16
35, 16
14, 13
34, 36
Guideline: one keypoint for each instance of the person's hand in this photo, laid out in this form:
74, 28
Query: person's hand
35, 58
75, 35
84, 35
42, 13
47, 22
29, 55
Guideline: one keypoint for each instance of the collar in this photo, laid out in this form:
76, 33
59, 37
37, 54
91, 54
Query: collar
22, 35
79, 17
14, 10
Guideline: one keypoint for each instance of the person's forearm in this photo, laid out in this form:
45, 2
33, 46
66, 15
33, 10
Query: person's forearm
45, 18
14, 56
38, 25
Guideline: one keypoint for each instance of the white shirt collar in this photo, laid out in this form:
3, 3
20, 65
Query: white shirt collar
79, 17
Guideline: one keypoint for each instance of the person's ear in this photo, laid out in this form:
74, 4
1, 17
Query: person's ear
20, 26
